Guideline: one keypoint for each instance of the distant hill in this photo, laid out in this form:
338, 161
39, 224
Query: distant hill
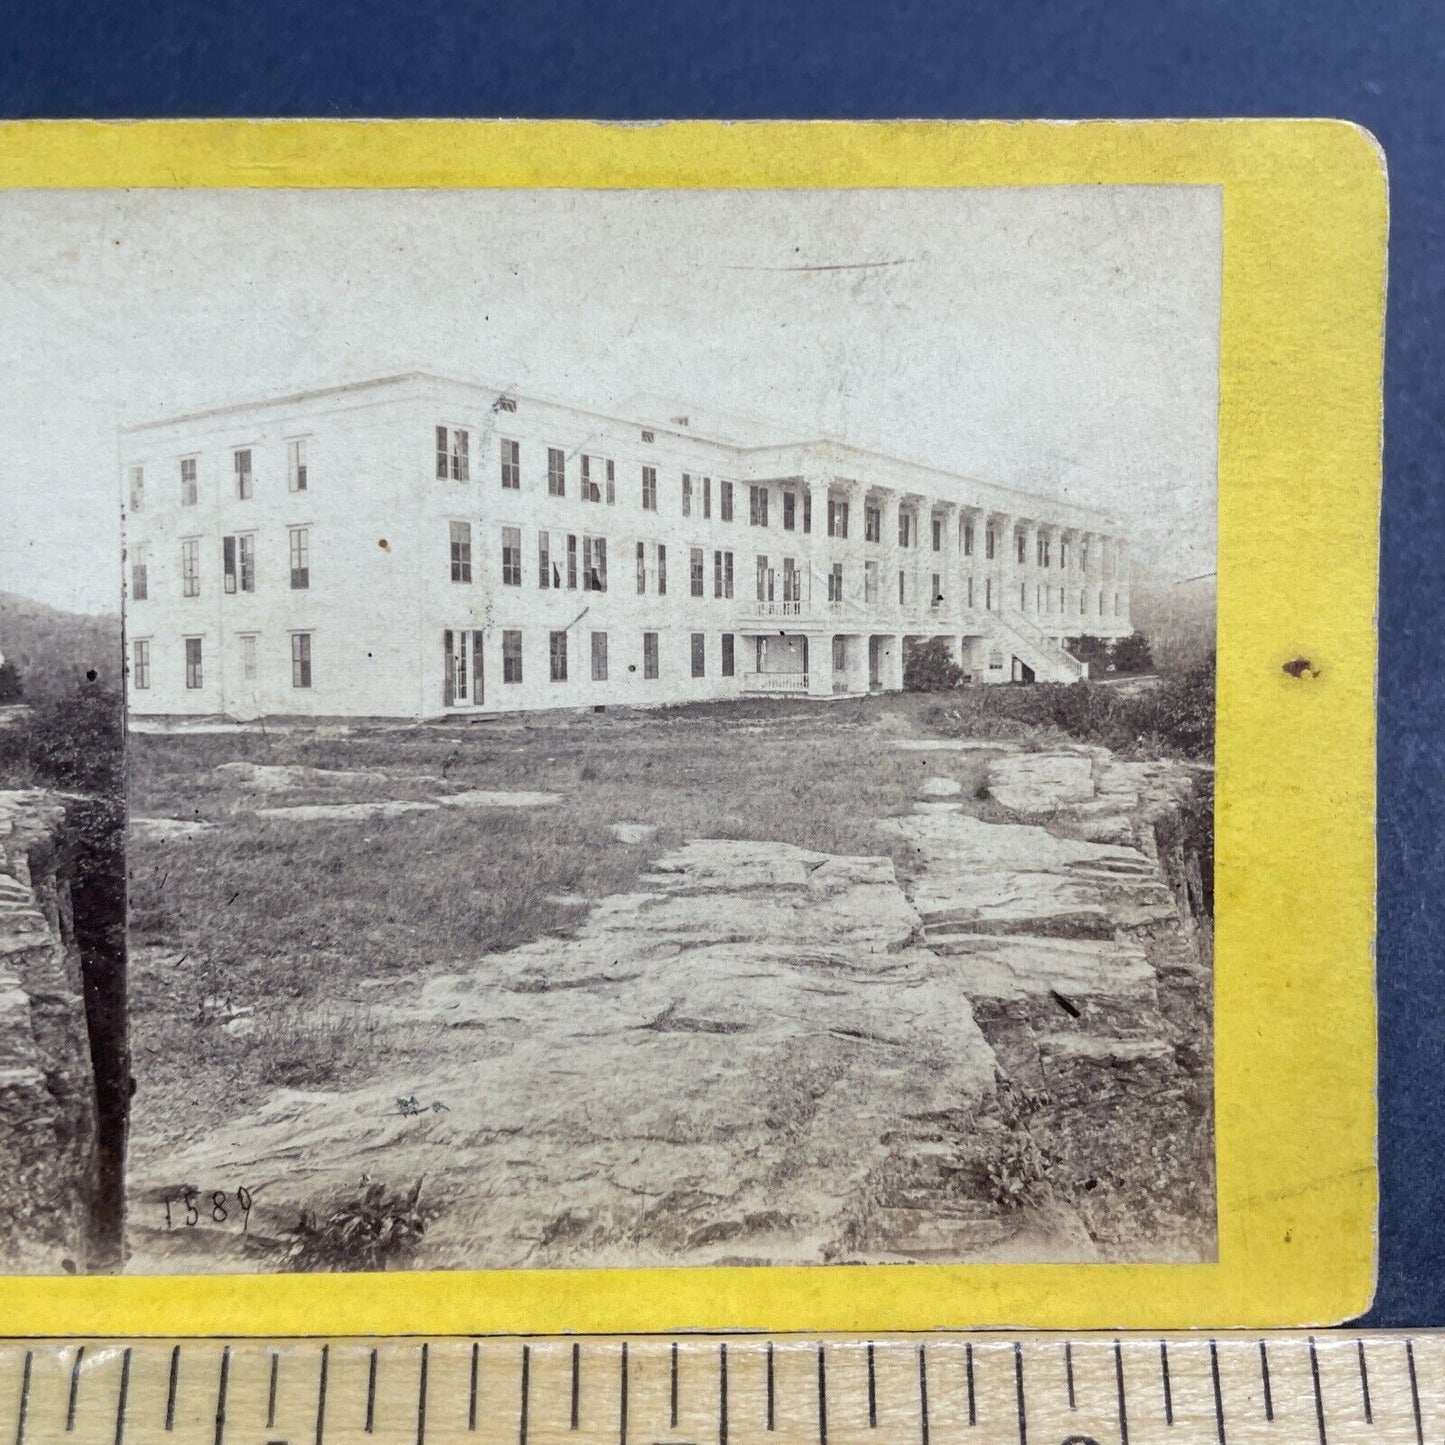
1178, 618
54, 650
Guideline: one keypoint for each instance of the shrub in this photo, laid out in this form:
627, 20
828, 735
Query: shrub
377, 1231
11, 688
929, 667
1131, 654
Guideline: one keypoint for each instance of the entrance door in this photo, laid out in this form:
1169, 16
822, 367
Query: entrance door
462, 664
875, 663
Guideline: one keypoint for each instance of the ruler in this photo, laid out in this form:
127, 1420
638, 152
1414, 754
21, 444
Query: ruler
1331, 1388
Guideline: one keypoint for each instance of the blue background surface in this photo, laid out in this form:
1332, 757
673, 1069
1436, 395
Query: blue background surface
1381, 65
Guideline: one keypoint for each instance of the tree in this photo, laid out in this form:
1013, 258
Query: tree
929, 667
11, 688
1132, 654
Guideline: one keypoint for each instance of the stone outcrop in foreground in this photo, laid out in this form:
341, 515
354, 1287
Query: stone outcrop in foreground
771, 1055
49, 1149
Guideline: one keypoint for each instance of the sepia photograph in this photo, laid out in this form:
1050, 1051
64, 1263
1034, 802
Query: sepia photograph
568, 729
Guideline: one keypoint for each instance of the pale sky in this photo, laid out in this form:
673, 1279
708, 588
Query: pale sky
1059, 339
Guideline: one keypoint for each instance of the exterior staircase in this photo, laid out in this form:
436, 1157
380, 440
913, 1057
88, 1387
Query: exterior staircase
1047, 661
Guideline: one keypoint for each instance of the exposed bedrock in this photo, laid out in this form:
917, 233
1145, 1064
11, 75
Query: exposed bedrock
767, 1054
54, 1213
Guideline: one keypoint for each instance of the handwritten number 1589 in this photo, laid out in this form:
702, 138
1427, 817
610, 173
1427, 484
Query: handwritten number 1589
213, 1204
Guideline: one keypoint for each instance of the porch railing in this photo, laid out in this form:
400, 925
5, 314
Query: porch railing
775, 682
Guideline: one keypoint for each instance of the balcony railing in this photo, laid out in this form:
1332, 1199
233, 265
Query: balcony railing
790, 608
776, 683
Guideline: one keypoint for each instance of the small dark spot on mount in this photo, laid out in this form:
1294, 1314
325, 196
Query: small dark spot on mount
1300, 667
90, 674
68, 1265
383, 544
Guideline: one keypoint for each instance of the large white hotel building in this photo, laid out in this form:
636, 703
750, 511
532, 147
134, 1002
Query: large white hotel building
414, 546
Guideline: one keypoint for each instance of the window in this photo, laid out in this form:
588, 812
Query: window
729, 655
1041, 550
649, 655
807, 511
511, 656
556, 472
453, 459
557, 653
228, 563
938, 534
505, 403
1117, 608
695, 571
699, 654
594, 564
870, 582
970, 594
649, 437
296, 465
835, 582
1064, 554
872, 524
139, 574
968, 539
193, 663
1084, 555
300, 558
936, 595
191, 568
1020, 547
661, 570
988, 594
544, 560
758, 506
246, 555
188, 481
511, 556
140, 667
597, 473
641, 568
599, 657
840, 654
725, 500
790, 511
649, 489
837, 518
686, 495
242, 460
572, 561
905, 529
300, 659
248, 657
995, 661
722, 574
707, 499
461, 551
137, 488
902, 587
511, 465
990, 544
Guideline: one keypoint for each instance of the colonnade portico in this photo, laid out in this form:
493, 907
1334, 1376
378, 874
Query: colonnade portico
1003, 580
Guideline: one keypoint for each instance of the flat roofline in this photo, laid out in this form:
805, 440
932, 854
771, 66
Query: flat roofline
805, 443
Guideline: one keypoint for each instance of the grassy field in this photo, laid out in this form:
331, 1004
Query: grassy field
260, 946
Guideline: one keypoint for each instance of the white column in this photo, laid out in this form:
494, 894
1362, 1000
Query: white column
888, 555
816, 543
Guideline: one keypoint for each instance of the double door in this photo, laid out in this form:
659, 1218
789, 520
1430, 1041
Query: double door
462, 664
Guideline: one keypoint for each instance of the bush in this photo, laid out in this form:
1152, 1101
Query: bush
929, 667
11, 688
1131, 654
1173, 717
377, 1231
